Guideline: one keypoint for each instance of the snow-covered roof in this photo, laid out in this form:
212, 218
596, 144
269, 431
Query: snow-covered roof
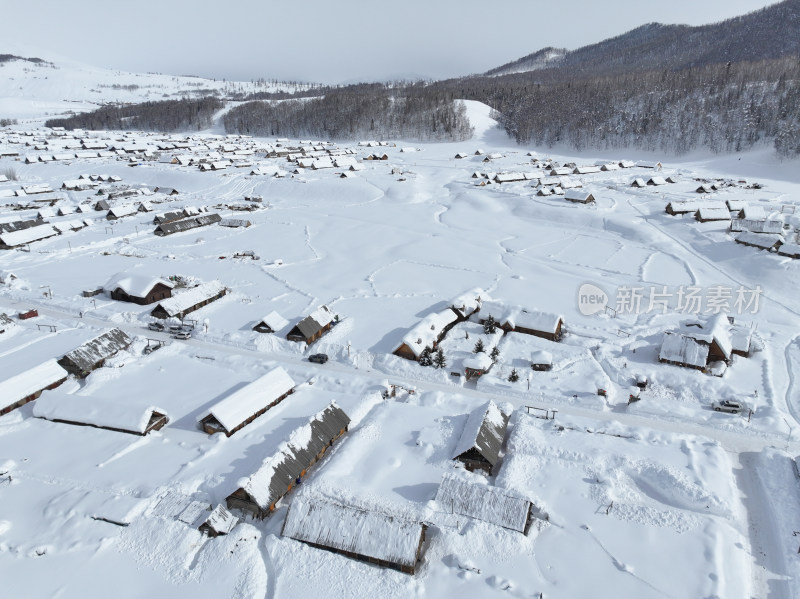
69, 225
220, 520
23, 236
692, 206
751, 212
479, 361
274, 321
714, 213
790, 249
483, 502
769, 225
541, 356
243, 403
95, 411
134, 284
362, 532
466, 303
683, 349
717, 328
23, 384
278, 471
576, 195
314, 322
537, 321
761, 240
120, 211
656, 181
427, 331
180, 302
86, 356
484, 431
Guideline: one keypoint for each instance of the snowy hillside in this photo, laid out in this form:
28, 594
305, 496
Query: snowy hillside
36, 90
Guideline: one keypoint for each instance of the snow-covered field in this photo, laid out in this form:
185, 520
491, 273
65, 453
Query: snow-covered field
659, 497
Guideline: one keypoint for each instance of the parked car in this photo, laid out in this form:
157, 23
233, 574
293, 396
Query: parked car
156, 326
182, 334
727, 405
318, 358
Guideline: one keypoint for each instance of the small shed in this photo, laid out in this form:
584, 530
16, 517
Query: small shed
541, 360
639, 183
374, 537
246, 404
478, 448
313, 326
271, 323
476, 366
219, 522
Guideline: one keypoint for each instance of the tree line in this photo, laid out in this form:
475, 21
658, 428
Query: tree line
416, 112
168, 116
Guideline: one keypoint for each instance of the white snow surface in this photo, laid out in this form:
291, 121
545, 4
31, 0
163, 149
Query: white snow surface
708, 490
98, 411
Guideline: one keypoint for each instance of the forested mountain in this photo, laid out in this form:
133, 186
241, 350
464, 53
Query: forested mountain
772, 32
724, 87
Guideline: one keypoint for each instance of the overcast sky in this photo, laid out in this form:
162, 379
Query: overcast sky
329, 41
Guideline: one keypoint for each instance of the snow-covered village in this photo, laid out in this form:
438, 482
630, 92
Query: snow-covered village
248, 365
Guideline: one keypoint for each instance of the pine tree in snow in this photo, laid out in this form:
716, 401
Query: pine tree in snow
478, 347
439, 360
494, 354
425, 358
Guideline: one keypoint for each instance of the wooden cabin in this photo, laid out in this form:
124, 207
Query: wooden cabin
479, 445
137, 289
381, 539
186, 302
244, 405
280, 472
312, 327
93, 354
23, 387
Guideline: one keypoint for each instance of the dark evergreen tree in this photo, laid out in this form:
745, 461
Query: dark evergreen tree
425, 358
478, 347
489, 325
495, 353
513, 377
439, 360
